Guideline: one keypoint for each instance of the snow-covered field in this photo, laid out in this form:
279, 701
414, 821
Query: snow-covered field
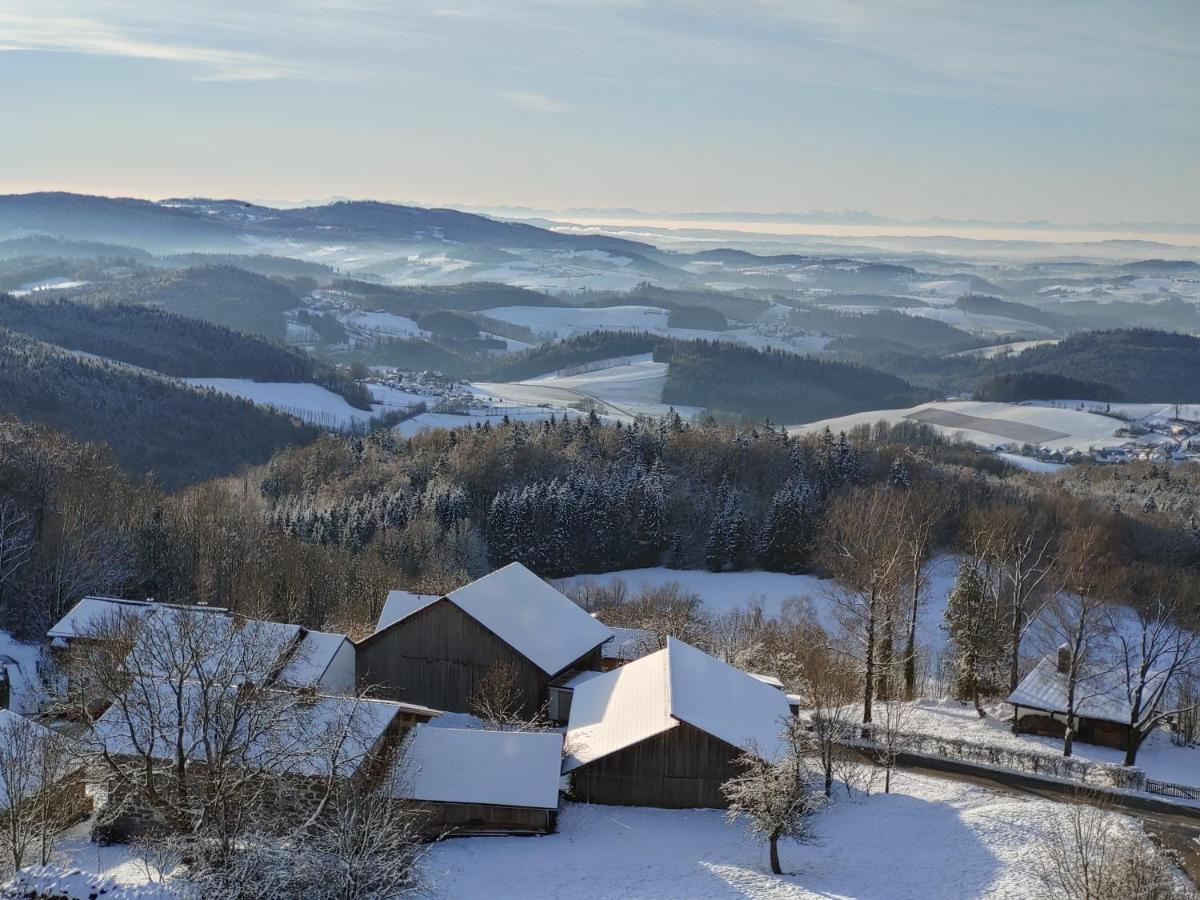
1158, 757
559, 322
425, 421
1142, 413
1029, 464
312, 402
976, 323
928, 840
722, 592
1015, 348
47, 284
996, 424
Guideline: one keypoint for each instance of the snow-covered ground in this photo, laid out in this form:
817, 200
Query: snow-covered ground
1029, 464
1015, 348
976, 323
928, 840
559, 322
385, 324
312, 402
47, 284
495, 415
1158, 757
1141, 413
722, 592
996, 424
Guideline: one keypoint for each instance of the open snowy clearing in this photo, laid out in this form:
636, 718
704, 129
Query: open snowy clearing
425, 421
1158, 757
976, 323
723, 592
1016, 348
929, 839
995, 424
1141, 413
311, 402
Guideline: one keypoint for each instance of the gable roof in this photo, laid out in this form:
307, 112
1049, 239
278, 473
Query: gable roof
498, 768
26, 783
1099, 694
537, 621
90, 613
657, 692
402, 604
312, 658
291, 743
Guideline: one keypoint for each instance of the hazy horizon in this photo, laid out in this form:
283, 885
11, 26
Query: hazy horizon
908, 109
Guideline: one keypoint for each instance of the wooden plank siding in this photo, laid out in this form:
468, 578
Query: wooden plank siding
681, 768
439, 655
462, 819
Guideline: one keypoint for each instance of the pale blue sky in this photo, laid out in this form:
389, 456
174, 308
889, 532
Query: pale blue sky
1076, 112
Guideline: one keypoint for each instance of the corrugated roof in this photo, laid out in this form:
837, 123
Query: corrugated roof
542, 624
498, 768
402, 604
677, 684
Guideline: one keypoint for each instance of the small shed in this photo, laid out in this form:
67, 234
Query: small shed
1102, 703
439, 650
666, 730
473, 781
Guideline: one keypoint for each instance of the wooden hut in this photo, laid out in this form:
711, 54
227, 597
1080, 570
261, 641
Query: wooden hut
665, 730
1101, 703
437, 650
472, 781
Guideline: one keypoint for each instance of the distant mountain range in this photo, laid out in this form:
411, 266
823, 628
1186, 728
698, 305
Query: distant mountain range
823, 217
229, 225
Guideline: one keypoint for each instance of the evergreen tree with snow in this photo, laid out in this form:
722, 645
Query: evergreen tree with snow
976, 635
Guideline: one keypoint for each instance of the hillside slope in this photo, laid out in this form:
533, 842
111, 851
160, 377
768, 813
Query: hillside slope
154, 424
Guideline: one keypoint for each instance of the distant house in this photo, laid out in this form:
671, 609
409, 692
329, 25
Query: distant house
54, 765
483, 782
437, 650
665, 730
1102, 703
307, 659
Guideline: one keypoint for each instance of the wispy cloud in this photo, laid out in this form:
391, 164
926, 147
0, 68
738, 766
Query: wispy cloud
70, 34
534, 102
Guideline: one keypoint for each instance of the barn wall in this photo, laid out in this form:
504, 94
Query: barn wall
681, 768
1090, 731
460, 819
437, 657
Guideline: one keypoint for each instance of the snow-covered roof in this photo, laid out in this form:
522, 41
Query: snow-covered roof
1099, 695
312, 658
628, 643
91, 613
402, 604
304, 737
655, 693
542, 624
498, 768
767, 679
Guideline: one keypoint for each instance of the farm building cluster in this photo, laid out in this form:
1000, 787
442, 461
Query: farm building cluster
622, 718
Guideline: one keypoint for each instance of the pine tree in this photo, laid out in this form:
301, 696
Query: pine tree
716, 548
898, 476
976, 635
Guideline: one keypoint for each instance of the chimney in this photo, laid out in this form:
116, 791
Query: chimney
1064, 659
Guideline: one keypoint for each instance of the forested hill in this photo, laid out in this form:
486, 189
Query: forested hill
153, 424
1135, 365
153, 339
775, 385
222, 294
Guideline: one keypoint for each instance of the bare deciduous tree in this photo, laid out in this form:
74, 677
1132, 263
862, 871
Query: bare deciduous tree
863, 548
775, 794
36, 778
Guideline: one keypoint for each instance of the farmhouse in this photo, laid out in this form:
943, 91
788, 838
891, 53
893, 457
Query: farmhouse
437, 650
303, 744
1101, 707
665, 730
306, 659
483, 782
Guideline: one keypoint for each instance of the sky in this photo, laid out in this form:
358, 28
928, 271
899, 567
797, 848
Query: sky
1025, 109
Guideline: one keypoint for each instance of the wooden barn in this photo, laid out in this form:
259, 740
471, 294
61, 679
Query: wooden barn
666, 729
472, 781
436, 650
1102, 704
307, 659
